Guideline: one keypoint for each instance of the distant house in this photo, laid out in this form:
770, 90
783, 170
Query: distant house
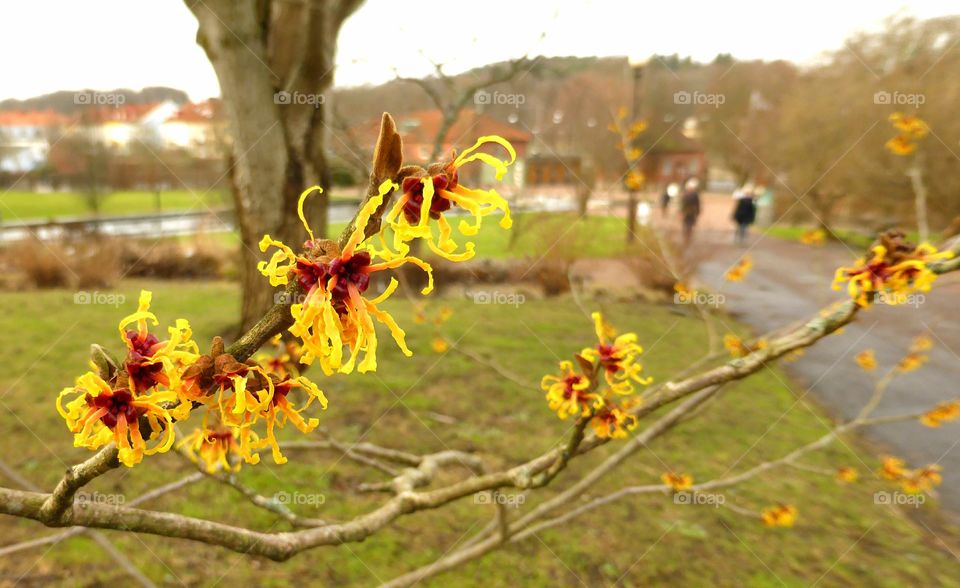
549, 169
120, 126
195, 127
675, 158
420, 130
25, 138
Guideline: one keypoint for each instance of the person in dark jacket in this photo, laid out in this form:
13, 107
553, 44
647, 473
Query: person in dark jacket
690, 208
669, 193
744, 213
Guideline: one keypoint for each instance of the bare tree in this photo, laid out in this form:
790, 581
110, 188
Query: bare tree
451, 97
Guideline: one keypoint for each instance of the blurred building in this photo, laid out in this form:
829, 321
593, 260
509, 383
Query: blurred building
197, 128
120, 126
131, 145
25, 138
675, 158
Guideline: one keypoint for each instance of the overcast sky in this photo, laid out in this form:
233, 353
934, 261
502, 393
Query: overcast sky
50, 45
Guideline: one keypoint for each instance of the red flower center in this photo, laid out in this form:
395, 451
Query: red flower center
280, 391
142, 347
222, 438
346, 273
413, 188
118, 402
569, 382
310, 274
142, 344
609, 358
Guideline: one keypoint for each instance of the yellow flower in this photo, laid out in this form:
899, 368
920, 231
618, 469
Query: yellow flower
678, 482
900, 145
735, 345
151, 362
847, 475
740, 270
275, 414
684, 294
921, 343
101, 414
617, 357
213, 447
334, 312
922, 480
892, 468
815, 237
867, 360
636, 128
569, 393
911, 361
793, 355
439, 345
634, 180
910, 126
634, 154
738, 348
612, 422
896, 267
444, 315
429, 193
783, 515
944, 412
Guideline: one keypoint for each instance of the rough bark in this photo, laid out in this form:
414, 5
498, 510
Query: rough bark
274, 61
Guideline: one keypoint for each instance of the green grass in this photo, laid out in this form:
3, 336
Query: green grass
34, 206
857, 239
841, 535
24, 205
536, 234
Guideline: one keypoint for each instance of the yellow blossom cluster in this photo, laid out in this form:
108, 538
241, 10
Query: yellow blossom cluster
603, 374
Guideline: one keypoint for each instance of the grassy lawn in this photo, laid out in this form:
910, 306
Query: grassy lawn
841, 538
558, 233
22, 205
32, 206
855, 239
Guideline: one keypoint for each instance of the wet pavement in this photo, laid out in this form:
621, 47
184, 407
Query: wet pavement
791, 282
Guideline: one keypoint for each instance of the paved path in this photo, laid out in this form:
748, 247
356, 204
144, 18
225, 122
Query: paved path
790, 282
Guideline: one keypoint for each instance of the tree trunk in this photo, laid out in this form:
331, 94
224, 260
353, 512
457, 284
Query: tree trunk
631, 215
920, 199
274, 61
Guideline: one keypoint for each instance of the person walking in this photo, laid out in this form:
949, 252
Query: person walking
744, 212
669, 193
690, 208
